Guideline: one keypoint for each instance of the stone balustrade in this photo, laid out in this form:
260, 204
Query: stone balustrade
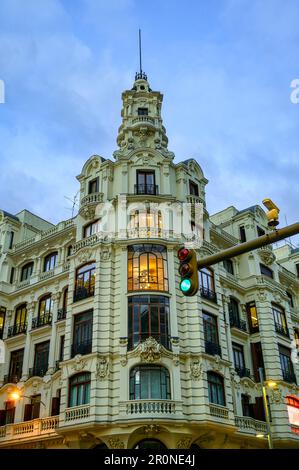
34, 428
218, 411
250, 425
77, 413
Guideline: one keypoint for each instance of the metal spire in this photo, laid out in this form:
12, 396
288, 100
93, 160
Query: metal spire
140, 75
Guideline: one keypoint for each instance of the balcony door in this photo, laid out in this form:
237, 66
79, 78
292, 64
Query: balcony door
149, 382
41, 358
146, 182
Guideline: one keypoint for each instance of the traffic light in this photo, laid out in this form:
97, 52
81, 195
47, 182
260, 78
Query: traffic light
272, 214
188, 271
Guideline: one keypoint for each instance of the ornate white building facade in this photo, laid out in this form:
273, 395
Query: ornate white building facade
100, 344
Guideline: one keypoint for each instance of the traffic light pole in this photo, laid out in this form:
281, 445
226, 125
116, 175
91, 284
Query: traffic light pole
245, 247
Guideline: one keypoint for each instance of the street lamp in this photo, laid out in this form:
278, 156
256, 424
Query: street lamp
16, 395
271, 384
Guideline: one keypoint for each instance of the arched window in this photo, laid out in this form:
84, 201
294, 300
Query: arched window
79, 389
207, 284
149, 382
148, 316
50, 261
85, 281
147, 267
44, 312
26, 271
92, 228
150, 444
216, 388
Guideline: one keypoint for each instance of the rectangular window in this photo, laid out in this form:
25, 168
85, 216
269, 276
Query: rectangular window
286, 363
50, 261
265, 271
238, 352
146, 182
16, 365
290, 299
11, 238
228, 266
82, 337
55, 407
41, 359
142, 111
297, 269
85, 281
9, 412
12, 275
242, 233
2, 320
193, 188
61, 348
296, 337
93, 186
260, 231
252, 317
257, 359
211, 334
280, 320
26, 271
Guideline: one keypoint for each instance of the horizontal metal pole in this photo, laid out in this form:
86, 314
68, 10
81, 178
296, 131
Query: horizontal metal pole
245, 247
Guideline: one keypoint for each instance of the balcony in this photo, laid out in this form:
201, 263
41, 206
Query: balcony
143, 119
242, 372
11, 379
208, 294
85, 347
250, 425
149, 189
282, 330
141, 408
289, 376
235, 322
41, 321
61, 314
77, 413
16, 329
212, 348
81, 293
29, 429
219, 411
38, 371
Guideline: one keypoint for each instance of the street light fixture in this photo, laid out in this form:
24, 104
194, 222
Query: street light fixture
272, 384
16, 395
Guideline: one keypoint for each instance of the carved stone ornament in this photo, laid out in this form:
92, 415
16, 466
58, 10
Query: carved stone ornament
183, 443
149, 350
262, 296
196, 369
123, 360
216, 365
102, 368
88, 212
115, 443
79, 363
123, 340
105, 254
151, 429
276, 396
267, 256
84, 255
176, 360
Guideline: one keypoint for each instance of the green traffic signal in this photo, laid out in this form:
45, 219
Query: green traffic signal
185, 285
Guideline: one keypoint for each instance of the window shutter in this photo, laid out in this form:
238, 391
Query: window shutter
28, 412
55, 406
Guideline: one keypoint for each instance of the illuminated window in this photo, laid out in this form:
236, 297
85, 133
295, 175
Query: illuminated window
85, 281
149, 382
20, 325
296, 337
92, 228
216, 388
147, 268
280, 320
293, 409
45, 306
253, 321
50, 261
146, 219
2, 320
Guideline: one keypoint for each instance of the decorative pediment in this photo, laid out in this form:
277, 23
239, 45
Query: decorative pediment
149, 350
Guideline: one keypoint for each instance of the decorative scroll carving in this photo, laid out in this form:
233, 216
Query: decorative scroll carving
149, 350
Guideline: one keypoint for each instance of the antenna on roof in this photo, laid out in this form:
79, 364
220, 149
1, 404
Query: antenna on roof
74, 202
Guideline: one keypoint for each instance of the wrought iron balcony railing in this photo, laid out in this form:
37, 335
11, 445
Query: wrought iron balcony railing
235, 322
282, 330
61, 314
42, 321
84, 347
151, 189
81, 293
16, 329
38, 371
212, 348
242, 372
208, 294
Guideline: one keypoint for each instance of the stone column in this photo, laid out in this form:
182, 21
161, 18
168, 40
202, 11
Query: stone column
30, 313
51, 361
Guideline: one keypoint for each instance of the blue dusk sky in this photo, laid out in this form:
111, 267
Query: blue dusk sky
224, 66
